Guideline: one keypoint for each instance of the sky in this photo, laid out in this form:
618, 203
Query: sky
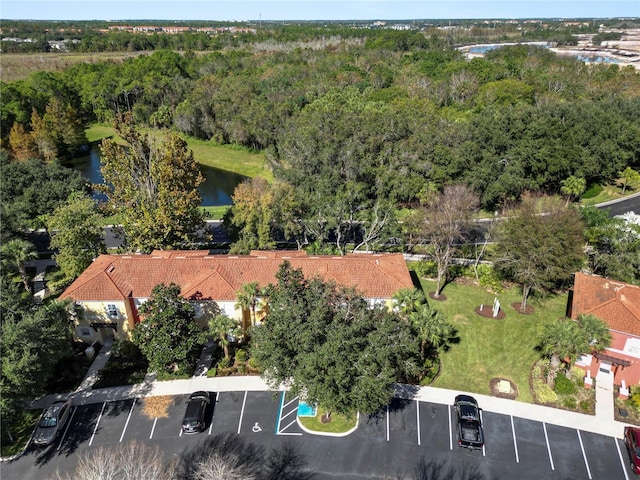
241, 10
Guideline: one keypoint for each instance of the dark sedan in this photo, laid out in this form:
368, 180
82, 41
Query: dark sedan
194, 416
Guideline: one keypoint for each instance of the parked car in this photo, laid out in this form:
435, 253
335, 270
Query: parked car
632, 441
194, 421
51, 422
470, 433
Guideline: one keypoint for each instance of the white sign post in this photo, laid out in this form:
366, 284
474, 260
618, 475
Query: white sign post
496, 307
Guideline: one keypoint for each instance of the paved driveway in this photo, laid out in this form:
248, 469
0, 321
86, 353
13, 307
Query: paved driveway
400, 439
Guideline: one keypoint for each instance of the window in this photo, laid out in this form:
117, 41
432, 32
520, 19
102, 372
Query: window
112, 310
85, 332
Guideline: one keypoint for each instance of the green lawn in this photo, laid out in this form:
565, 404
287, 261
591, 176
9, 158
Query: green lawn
488, 347
225, 157
604, 193
338, 424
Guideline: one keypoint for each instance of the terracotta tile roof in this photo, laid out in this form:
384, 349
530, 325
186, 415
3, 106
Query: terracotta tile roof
617, 303
219, 277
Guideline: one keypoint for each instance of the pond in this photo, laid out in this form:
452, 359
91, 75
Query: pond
217, 188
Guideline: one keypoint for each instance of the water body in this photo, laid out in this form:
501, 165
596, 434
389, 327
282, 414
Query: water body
586, 58
217, 188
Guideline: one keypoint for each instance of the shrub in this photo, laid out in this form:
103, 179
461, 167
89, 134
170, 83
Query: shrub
585, 406
424, 268
564, 386
541, 391
634, 395
489, 278
224, 363
569, 402
241, 356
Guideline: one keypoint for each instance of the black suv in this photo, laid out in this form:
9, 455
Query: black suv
193, 421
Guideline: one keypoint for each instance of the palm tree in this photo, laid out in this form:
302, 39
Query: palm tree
15, 253
248, 297
431, 327
573, 187
408, 300
561, 340
596, 332
220, 327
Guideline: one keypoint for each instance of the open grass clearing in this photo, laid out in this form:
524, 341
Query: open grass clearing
604, 193
224, 157
490, 348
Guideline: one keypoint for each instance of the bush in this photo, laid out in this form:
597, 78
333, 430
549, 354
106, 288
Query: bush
489, 278
542, 392
564, 386
424, 268
241, 356
634, 395
585, 406
569, 402
225, 363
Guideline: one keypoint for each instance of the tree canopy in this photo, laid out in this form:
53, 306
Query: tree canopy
168, 335
152, 182
540, 245
329, 346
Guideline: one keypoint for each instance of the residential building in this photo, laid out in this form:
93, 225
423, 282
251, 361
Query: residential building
617, 304
111, 290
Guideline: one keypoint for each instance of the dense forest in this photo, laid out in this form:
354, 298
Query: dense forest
354, 128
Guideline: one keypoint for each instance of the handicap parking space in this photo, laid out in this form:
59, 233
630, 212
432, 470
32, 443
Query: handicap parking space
259, 414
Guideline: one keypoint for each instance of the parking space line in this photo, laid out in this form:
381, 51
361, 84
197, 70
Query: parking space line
418, 419
213, 413
484, 452
242, 412
622, 462
67, 429
289, 402
280, 412
387, 423
155, 420
515, 443
584, 455
546, 437
282, 417
95, 429
450, 430
128, 418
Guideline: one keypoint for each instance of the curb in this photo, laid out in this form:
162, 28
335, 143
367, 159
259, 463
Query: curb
329, 434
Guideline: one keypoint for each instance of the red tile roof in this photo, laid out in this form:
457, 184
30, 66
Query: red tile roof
219, 277
616, 303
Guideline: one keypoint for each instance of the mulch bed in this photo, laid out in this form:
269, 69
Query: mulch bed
517, 307
439, 298
493, 385
487, 312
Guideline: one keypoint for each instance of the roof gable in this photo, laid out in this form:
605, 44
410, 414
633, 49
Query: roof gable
219, 277
616, 303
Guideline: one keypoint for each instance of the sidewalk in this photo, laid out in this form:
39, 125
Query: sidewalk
601, 423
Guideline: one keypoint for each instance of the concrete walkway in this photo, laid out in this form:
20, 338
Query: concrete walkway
601, 423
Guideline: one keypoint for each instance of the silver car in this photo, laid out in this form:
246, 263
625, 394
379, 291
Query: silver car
51, 422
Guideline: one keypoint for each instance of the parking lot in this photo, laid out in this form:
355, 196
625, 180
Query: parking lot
389, 444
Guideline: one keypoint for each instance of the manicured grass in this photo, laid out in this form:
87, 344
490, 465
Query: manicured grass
225, 157
603, 193
338, 423
215, 213
21, 427
487, 347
